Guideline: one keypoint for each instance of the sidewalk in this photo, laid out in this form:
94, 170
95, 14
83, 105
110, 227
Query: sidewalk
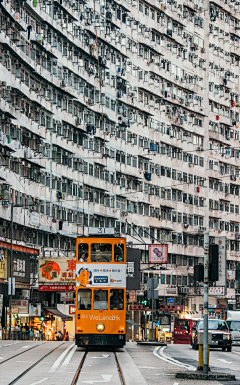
156, 371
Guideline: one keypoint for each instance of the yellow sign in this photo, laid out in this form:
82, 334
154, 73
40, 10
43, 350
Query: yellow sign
3, 264
58, 270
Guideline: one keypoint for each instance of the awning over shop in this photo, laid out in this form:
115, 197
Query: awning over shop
133, 323
57, 313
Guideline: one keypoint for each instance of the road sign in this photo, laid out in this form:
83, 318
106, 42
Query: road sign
152, 283
155, 294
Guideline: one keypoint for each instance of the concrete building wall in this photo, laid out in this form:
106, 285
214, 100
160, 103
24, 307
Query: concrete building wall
122, 114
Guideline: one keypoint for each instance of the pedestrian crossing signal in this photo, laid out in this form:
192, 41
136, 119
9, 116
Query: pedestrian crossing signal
41, 319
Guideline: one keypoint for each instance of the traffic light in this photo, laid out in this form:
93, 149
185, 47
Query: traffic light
158, 303
213, 262
42, 317
187, 329
198, 273
145, 299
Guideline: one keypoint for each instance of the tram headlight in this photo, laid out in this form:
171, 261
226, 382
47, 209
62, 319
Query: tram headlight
100, 327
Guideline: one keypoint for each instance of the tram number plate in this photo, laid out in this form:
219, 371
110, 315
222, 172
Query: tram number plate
120, 337
100, 279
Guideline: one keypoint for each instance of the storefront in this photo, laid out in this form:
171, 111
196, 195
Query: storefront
57, 278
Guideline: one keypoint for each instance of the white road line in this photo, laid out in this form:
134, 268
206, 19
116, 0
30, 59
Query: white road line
60, 358
225, 361
68, 358
24, 347
39, 382
175, 383
236, 352
158, 352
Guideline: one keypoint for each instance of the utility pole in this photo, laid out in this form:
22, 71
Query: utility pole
152, 303
206, 272
10, 286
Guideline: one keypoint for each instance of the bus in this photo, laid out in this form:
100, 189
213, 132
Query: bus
183, 329
100, 291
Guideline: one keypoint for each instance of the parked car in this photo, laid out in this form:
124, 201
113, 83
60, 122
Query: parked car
221, 337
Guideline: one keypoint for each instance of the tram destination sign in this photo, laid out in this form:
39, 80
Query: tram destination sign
101, 231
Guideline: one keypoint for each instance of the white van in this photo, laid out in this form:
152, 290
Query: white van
233, 321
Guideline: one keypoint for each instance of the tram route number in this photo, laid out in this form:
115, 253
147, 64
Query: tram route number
100, 279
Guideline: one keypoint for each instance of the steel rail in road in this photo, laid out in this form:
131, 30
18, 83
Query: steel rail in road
76, 376
24, 351
32, 366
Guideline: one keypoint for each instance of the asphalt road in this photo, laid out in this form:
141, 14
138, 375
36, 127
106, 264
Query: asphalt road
141, 365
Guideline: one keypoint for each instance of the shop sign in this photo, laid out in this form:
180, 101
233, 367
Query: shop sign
67, 296
171, 290
136, 307
20, 267
72, 309
133, 268
132, 296
3, 264
56, 287
56, 270
14, 310
221, 242
19, 302
158, 253
35, 219
34, 311
23, 310
214, 290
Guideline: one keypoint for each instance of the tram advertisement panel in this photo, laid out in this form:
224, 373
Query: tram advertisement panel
113, 275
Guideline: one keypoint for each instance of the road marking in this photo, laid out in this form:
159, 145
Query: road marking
225, 361
60, 358
158, 352
24, 347
236, 352
102, 356
106, 378
39, 382
175, 383
68, 358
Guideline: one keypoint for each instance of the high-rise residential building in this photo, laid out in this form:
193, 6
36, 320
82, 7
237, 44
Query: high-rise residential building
123, 114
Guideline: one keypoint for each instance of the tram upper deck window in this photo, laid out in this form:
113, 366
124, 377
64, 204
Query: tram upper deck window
82, 252
100, 299
84, 299
118, 252
116, 299
101, 252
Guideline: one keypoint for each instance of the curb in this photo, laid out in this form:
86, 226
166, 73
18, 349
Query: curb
153, 343
207, 377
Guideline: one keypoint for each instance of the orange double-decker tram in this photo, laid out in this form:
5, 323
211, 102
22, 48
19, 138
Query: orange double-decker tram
100, 291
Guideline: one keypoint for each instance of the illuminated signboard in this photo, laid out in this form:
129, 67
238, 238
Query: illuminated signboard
100, 279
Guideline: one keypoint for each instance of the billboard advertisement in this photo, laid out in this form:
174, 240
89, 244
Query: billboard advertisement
56, 270
94, 275
133, 268
221, 242
158, 253
20, 267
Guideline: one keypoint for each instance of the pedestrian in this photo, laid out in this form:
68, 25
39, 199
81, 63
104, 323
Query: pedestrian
37, 334
67, 337
27, 331
31, 334
23, 332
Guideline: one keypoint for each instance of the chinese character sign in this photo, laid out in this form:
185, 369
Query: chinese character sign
158, 253
57, 270
20, 267
221, 242
3, 264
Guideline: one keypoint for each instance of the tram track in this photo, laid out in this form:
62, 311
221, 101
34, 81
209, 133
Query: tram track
33, 365
79, 369
24, 351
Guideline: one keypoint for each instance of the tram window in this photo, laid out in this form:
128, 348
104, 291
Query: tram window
119, 252
84, 299
83, 252
116, 299
101, 252
100, 299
